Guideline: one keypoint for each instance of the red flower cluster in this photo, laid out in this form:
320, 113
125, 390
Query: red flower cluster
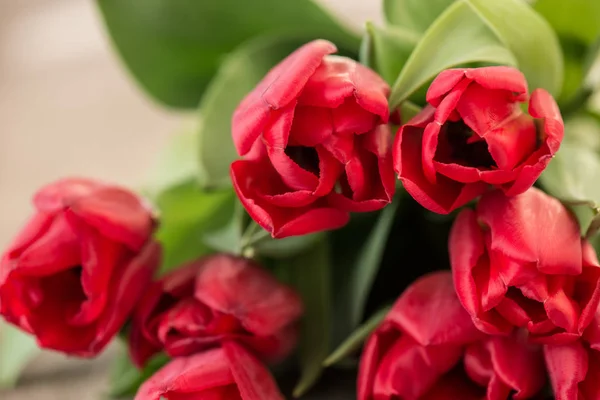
522, 300
215, 299
524, 304
219, 317
315, 143
428, 348
84, 264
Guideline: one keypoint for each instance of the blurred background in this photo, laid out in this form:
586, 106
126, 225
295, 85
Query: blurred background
68, 107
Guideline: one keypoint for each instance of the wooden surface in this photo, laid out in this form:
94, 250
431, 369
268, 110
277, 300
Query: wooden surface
67, 107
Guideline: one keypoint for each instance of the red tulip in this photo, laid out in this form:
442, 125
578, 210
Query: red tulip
75, 272
427, 348
474, 134
520, 262
314, 142
227, 373
574, 371
216, 298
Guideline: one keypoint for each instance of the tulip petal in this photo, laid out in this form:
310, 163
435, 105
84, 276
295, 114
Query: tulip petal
443, 196
541, 106
281, 222
467, 256
252, 378
373, 352
350, 118
443, 84
238, 287
338, 78
453, 386
203, 371
330, 84
518, 365
277, 89
567, 366
117, 213
499, 78
466, 246
409, 370
311, 126
55, 247
126, 292
587, 286
431, 314
515, 223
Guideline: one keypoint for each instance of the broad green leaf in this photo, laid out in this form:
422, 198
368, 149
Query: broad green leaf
530, 39
186, 213
584, 214
414, 15
389, 49
573, 175
126, 378
458, 36
311, 275
174, 47
177, 161
583, 130
17, 348
574, 73
228, 237
238, 75
356, 339
577, 19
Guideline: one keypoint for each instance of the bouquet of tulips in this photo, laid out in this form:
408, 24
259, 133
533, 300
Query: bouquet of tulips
405, 213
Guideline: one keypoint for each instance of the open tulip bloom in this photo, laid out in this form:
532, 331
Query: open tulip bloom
419, 213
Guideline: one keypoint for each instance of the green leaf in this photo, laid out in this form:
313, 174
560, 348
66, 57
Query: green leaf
177, 161
583, 130
287, 247
389, 49
126, 378
186, 213
367, 263
577, 19
357, 268
356, 339
17, 349
240, 72
458, 36
414, 15
228, 237
174, 47
311, 275
573, 175
529, 37
408, 110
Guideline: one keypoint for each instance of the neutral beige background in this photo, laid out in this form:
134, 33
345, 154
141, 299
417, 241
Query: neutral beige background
67, 107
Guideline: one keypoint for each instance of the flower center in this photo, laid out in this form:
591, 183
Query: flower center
306, 157
464, 146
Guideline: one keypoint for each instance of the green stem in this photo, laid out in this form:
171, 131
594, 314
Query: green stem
253, 234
